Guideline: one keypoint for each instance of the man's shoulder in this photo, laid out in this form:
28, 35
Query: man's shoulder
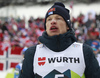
86, 48
30, 50
32, 47
77, 43
84, 44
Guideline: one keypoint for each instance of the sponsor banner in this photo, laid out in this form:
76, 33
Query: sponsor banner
12, 63
15, 52
2, 53
10, 58
2, 65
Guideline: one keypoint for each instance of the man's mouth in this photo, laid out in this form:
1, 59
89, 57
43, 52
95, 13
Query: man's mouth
53, 28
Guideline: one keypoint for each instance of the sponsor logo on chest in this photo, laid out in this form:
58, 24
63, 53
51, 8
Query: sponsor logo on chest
43, 60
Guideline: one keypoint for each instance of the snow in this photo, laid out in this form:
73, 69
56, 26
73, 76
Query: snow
4, 73
40, 10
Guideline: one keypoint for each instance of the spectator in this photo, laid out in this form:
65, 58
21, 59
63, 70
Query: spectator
4, 27
1, 35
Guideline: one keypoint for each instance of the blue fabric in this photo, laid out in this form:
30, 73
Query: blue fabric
17, 69
95, 45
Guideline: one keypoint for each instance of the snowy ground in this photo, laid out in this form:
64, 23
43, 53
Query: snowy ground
4, 73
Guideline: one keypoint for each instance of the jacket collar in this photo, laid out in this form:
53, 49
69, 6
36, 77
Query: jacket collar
57, 43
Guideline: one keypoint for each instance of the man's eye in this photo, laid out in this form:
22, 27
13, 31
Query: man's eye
48, 19
59, 18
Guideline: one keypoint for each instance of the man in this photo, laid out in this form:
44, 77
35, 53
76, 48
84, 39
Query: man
59, 55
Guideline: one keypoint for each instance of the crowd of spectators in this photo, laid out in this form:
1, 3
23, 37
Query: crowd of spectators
19, 32
13, 32
88, 31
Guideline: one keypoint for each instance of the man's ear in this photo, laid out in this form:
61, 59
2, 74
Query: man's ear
67, 28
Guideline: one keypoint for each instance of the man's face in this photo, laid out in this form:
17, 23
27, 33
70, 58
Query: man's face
55, 25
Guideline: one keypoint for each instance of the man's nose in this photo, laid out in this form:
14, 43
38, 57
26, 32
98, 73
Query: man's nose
53, 21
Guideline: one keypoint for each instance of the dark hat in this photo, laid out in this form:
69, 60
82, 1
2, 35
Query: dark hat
59, 8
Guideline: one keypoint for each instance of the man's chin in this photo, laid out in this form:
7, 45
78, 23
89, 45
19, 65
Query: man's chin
53, 34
